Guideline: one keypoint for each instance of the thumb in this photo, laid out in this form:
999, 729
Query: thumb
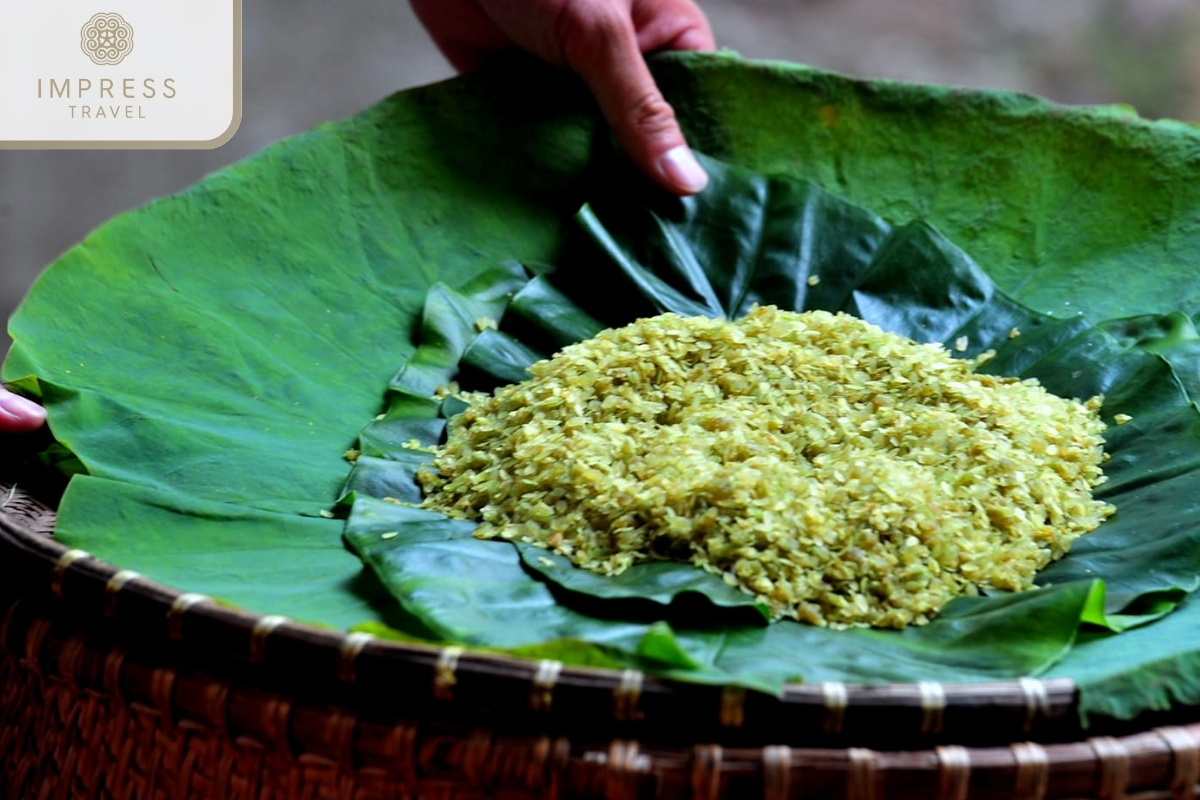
606, 55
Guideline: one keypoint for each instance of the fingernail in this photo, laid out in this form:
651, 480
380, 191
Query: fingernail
681, 168
21, 410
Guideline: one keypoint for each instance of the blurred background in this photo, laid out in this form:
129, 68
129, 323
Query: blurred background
306, 61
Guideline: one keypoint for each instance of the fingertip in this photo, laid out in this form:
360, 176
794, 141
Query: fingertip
681, 172
18, 415
698, 39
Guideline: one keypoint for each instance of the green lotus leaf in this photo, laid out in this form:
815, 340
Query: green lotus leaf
639, 251
209, 358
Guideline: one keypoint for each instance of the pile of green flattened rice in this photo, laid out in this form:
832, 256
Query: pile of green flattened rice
841, 474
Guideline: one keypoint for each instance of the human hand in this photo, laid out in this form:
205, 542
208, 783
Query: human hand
603, 41
18, 415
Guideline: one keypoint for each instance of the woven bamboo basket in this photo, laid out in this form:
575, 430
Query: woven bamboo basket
113, 686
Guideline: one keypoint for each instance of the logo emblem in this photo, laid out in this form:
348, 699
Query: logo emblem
106, 39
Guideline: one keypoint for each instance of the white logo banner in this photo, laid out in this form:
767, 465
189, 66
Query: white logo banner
120, 73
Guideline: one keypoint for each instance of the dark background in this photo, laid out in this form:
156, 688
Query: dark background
306, 61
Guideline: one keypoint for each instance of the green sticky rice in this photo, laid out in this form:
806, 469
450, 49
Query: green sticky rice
841, 474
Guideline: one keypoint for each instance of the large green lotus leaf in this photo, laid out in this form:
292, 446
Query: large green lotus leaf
256, 314
639, 251
225, 345
1068, 209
